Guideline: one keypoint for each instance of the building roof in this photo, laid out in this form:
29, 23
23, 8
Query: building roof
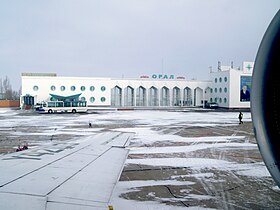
66, 98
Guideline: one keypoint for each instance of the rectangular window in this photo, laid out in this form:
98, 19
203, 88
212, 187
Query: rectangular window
51, 104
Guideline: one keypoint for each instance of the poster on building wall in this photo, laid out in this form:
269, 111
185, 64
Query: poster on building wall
245, 88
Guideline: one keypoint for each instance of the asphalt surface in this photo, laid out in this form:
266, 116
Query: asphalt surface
200, 188
223, 189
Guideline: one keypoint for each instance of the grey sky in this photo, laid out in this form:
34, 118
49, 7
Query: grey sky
129, 38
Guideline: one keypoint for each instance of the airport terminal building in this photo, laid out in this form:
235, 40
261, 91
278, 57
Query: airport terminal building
225, 87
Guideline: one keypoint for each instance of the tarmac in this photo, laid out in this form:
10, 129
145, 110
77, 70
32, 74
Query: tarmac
223, 184
218, 189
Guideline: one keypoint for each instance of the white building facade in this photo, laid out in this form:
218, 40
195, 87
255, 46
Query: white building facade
224, 87
229, 84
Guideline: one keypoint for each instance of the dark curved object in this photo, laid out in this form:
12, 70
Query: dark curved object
265, 100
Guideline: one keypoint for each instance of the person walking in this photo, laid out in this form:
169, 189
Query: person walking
240, 117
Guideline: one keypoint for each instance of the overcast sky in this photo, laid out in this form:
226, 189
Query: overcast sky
129, 38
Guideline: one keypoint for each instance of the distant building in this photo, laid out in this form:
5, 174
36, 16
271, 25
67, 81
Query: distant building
231, 87
225, 87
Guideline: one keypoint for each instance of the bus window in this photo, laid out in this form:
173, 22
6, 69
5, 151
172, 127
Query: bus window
59, 104
51, 104
82, 103
67, 104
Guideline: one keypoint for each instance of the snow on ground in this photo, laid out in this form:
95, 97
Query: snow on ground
124, 204
148, 118
253, 169
145, 134
142, 123
174, 118
130, 186
190, 148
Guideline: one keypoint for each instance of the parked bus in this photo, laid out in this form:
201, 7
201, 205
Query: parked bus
62, 106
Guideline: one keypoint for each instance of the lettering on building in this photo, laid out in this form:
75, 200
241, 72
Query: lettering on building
163, 76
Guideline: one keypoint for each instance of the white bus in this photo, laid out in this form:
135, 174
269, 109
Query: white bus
62, 106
